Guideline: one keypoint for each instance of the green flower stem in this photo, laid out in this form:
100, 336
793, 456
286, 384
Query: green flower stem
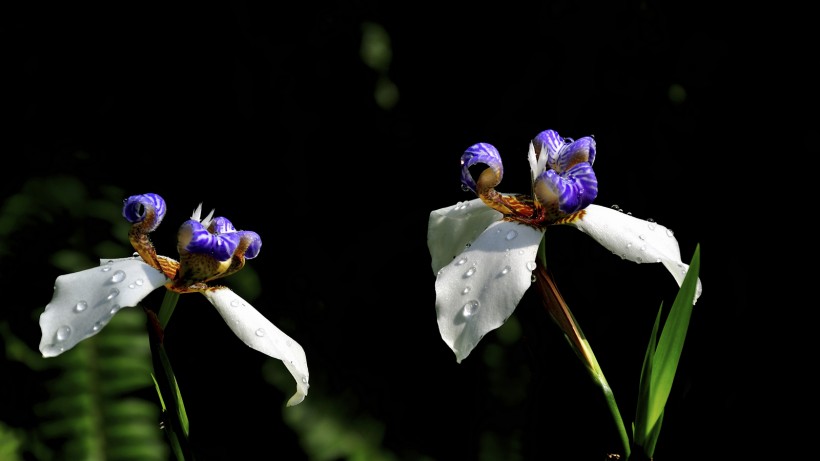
560, 313
176, 418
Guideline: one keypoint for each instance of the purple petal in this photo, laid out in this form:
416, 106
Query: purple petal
480, 153
195, 238
581, 150
221, 225
137, 208
572, 191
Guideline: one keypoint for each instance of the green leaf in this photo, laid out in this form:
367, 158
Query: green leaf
665, 361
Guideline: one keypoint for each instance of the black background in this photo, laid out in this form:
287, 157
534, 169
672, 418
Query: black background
267, 114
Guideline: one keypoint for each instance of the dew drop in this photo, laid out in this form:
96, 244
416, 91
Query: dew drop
135, 255
114, 309
532, 278
651, 225
531, 265
506, 270
470, 307
81, 306
643, 247
96, 326
669, 232
112, 294
236, 303
642, 237
465, 188
461, 261
260, 332
132, 286
118, 276
139, 282
107, 266
63, 333
304, 380
470, 272
511, 235
628, 245
465, 290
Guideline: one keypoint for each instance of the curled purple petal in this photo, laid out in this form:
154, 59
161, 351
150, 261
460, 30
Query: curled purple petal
195, 238
551, 139
253, 242
571, 191
221, 225
480, 153
575, 152
137, 208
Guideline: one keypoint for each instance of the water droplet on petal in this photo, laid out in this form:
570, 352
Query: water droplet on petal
107, 266
628, 245
465, 290
236, 303
651, 225
642, 237
511, 235
470, 307
531, 265
470, 272
304, 380
132, 286
643, 247
118, 276
112, 294
114, 309
135, 255
81, 306
260, 332
506, 270
63, 333
96, 326
669, 232
461, 261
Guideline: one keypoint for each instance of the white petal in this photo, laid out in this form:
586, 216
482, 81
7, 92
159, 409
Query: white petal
451, 229
634, 239
259, 333
480, 288
84, 302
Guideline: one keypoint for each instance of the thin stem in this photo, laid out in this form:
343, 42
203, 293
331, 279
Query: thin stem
560, 313
174, 414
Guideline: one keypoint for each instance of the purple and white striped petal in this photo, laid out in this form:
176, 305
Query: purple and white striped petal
194, 238
139, 208
220, 225
581, 150
480, 153
84, 302
478, 290
552, 141
634, 239
571, 191
257, 332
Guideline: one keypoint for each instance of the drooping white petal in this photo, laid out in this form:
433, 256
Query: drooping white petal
634, 239
451, 229
479, 289
259, 333
84, 302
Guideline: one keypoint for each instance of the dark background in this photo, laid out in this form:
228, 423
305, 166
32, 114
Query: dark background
268, 115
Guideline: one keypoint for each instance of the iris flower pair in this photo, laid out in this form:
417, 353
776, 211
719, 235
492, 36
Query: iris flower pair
209, 249
484, 250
